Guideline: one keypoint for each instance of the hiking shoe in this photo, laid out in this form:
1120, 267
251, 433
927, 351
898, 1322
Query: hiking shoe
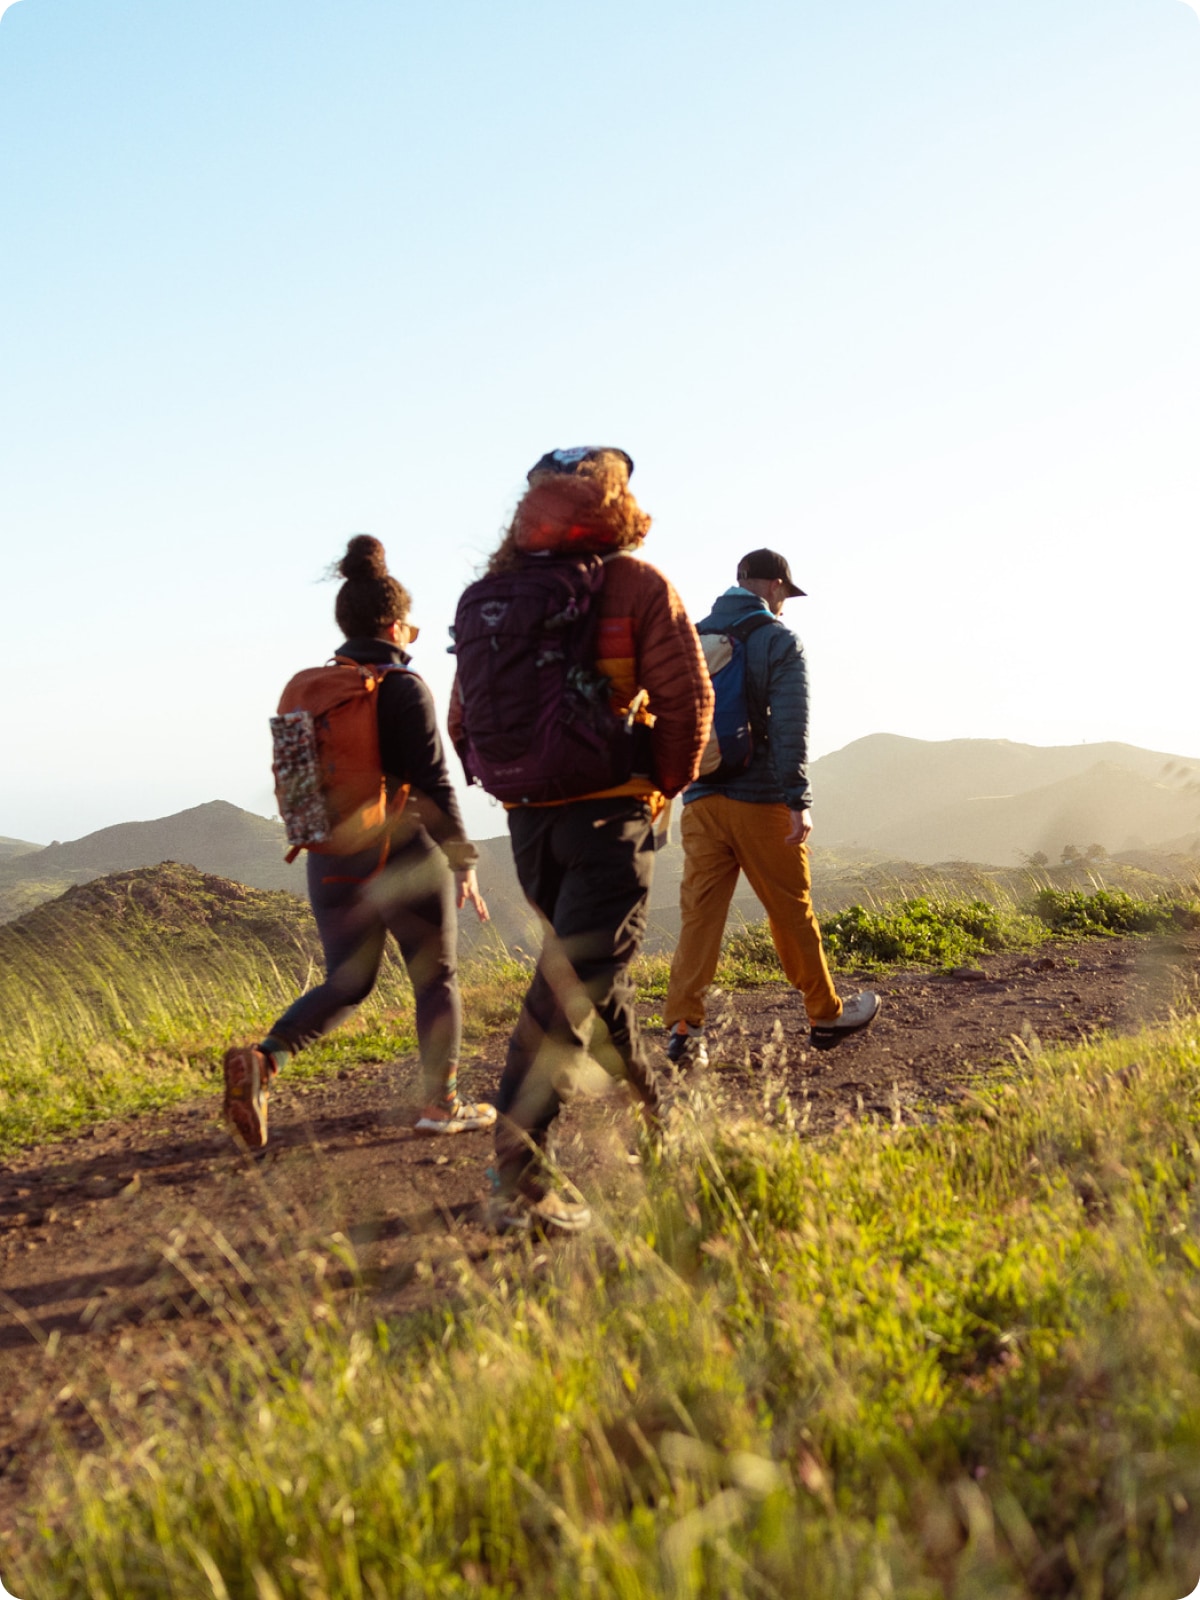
247, 1074
551, 1215
686, 1046
463, 1116
858, 1012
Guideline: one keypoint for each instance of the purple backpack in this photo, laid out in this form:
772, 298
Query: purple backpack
537, 721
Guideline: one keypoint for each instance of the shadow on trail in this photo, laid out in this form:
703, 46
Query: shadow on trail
169, 1283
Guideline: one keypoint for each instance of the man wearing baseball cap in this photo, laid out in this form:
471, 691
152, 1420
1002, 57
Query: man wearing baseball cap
756, 821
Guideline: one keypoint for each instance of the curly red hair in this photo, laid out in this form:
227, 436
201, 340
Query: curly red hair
589, 510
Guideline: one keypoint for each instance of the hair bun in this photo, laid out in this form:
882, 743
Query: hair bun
365, 558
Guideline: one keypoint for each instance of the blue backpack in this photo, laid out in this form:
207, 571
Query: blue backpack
730, 746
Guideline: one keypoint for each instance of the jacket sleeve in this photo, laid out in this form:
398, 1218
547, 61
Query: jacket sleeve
455, 722
787, 699
670, 667
410, 751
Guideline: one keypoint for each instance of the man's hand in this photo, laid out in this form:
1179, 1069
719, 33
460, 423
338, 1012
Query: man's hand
801, 827
468, 889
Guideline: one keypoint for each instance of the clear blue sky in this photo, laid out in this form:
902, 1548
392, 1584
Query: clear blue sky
908, 290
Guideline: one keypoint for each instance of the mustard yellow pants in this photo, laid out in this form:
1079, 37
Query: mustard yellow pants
722, 837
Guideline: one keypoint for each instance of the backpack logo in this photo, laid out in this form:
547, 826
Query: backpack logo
492, 613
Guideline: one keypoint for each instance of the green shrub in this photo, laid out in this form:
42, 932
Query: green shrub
1111, 911
924, 932
933, 931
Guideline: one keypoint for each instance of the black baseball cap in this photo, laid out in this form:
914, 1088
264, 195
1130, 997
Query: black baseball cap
569, 461
768, 564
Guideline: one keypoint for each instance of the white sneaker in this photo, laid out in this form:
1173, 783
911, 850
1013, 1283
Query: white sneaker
858, 1012
552, 1214
464, 1116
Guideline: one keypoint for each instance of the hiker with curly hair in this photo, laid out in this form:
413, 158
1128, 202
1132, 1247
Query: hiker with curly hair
581, 701
387, 854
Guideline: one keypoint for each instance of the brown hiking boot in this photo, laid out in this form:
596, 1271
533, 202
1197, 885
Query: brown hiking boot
248, 1072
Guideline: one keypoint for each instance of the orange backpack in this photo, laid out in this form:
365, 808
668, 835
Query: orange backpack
329, 781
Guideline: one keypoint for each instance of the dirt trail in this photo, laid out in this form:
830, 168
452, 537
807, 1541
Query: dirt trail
87, 1296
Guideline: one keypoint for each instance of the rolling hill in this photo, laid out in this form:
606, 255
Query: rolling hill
222, 840
883, 798
11, 848
217, 838
993, 801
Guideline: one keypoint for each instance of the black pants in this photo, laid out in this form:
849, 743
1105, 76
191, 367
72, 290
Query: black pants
587, 867
356, 907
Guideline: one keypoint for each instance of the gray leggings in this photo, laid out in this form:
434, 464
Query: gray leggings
356, 907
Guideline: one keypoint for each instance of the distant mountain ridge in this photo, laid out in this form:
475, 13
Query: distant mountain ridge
989, 801
992, 801
216, 837
226, 842
9, 848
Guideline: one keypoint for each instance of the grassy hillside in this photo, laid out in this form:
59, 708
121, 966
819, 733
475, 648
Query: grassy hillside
934, 1362
124, 992
1076, 811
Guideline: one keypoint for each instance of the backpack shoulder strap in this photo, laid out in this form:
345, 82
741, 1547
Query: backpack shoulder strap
364, 669
742, 630
370, 669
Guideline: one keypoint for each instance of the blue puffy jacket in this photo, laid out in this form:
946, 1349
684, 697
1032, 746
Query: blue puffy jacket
777, 689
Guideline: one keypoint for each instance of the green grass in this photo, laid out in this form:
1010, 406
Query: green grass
949, 1360
122, 996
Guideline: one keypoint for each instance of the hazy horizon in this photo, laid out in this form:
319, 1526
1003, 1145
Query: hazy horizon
496, 811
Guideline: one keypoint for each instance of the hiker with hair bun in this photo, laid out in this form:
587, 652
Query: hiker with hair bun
582, 702
362, 786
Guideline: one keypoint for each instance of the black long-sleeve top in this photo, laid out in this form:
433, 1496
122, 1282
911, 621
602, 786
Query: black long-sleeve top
410, 751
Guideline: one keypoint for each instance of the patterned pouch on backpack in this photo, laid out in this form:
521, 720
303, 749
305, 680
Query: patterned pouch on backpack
299, 787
